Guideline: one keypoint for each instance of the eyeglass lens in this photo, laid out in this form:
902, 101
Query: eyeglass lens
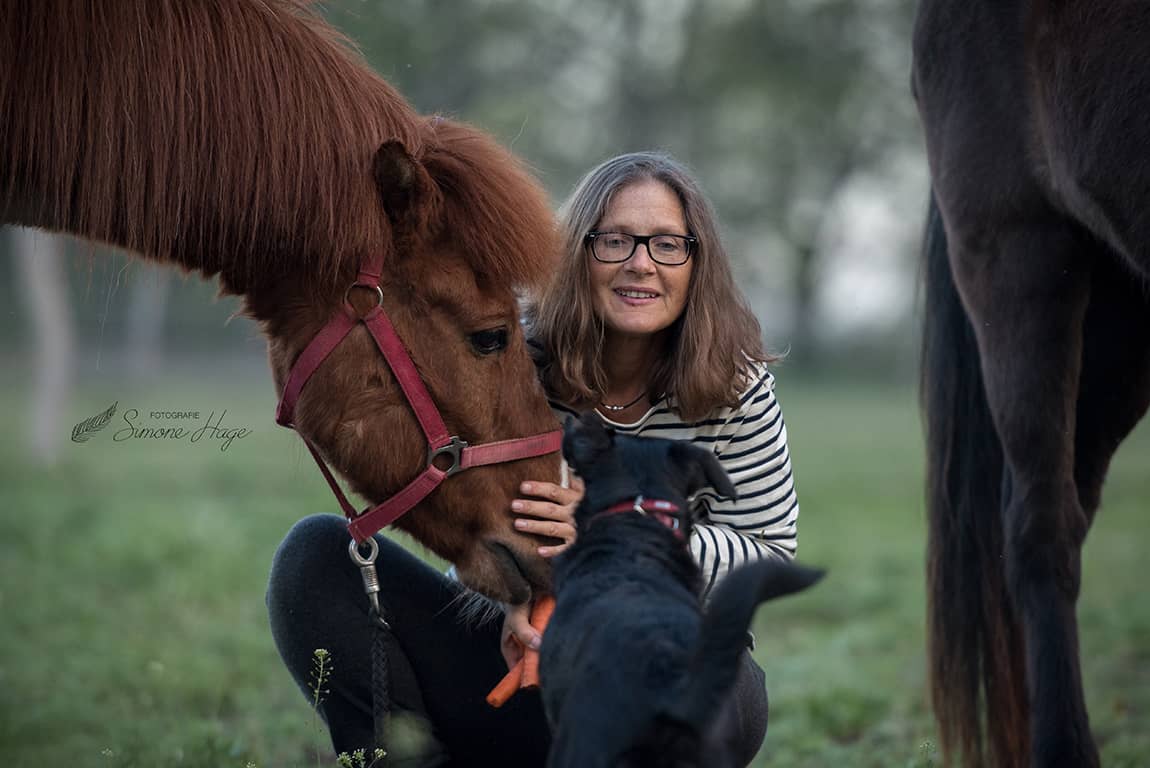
670, 250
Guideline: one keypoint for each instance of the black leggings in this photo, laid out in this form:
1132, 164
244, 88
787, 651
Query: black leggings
441, 665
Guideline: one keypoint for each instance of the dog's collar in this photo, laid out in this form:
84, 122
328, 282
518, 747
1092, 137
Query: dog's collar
663, 511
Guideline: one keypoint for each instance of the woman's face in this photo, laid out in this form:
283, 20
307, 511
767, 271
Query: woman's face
639, 297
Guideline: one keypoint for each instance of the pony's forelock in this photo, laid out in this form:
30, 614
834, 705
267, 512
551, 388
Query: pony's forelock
498, 214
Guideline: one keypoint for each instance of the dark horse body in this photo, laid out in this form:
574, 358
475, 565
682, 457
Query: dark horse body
1037, 348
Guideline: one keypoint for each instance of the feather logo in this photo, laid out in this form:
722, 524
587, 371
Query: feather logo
88, 427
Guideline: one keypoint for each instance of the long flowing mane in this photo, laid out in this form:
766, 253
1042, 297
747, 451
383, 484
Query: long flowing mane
229, 136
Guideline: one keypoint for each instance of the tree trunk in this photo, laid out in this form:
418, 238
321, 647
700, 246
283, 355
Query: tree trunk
40, 260
804, 344
147, 306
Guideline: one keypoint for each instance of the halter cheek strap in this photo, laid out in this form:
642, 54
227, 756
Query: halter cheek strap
663, 511
440, 443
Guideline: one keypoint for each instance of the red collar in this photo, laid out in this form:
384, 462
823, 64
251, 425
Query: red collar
663, 511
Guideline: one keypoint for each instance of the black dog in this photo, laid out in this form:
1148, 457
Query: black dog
632, 670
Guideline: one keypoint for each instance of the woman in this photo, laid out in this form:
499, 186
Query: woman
644, 324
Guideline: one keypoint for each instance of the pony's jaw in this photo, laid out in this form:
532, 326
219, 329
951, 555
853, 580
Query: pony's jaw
490, 556
505, 568
510, 573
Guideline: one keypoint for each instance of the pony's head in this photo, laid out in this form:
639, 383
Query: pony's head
463, 227
245, 139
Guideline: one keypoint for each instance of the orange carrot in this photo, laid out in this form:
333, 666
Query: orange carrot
540, 615
541, 612
525, 673
507, 686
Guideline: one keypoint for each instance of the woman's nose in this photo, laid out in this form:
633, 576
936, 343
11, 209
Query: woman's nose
641, 260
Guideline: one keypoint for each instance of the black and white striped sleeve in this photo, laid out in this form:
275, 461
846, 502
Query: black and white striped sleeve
762, 521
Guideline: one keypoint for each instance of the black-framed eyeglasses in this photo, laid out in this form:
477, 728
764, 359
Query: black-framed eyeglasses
616, 247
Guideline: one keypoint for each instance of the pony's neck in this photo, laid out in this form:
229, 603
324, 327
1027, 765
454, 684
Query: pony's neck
232, 138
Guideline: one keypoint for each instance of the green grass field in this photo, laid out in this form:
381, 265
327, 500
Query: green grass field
132, 579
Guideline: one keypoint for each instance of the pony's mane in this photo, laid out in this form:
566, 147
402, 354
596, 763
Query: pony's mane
500, 215
229, 136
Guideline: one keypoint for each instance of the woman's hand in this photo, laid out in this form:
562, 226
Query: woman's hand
550, 513
517, 633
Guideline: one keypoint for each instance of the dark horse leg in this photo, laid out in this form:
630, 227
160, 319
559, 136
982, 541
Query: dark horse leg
1114, 391
1026, 288
1092, 107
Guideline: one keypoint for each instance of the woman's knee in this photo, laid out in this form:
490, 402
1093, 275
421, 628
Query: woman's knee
312, 563
314, 538
309, 564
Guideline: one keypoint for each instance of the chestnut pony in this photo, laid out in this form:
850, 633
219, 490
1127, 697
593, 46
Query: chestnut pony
1037, 347
244, 139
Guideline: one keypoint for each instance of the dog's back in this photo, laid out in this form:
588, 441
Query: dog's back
634, 676
625, 617
633, 673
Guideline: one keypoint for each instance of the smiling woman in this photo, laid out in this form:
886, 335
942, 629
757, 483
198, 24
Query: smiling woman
644, 325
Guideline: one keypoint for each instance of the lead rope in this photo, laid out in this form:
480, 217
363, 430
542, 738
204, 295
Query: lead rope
379, 699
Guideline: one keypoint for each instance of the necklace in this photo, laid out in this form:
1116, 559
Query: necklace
617, 408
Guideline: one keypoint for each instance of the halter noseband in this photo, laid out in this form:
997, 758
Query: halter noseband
463, 456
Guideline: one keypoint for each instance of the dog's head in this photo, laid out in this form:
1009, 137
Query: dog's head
618, 468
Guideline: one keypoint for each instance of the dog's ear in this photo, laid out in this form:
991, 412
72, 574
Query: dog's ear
585, 440
701, 468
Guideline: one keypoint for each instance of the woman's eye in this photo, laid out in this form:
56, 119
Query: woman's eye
489, 341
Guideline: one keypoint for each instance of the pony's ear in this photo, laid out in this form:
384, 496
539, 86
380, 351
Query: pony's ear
403, 183
701, 468
584, 441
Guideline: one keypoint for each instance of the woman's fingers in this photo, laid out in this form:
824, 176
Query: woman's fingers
550, 501
553, 492
517, 633
551, 512
557, 549
543, 509
565, 532
556, 529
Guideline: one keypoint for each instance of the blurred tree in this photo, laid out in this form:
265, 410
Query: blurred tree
823, 85
146, 310
44, 282
776, 105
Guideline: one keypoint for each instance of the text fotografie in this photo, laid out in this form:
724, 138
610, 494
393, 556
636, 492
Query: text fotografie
212, 429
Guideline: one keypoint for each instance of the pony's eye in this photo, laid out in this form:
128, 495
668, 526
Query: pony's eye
489, 341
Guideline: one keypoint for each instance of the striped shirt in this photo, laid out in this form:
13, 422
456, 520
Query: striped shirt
750, 442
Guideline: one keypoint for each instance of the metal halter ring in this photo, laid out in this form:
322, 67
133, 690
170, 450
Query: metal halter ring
353, 286
372, 552
452, 449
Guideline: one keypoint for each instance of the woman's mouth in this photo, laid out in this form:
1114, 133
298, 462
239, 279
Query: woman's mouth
635, 297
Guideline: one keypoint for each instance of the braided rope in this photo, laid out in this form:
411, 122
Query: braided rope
380, 706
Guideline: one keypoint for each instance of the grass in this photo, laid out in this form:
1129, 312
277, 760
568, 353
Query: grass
132, 578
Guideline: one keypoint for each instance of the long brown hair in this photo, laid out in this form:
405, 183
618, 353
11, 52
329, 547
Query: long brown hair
712, 347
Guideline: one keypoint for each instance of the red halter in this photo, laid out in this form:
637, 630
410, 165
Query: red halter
463, 456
